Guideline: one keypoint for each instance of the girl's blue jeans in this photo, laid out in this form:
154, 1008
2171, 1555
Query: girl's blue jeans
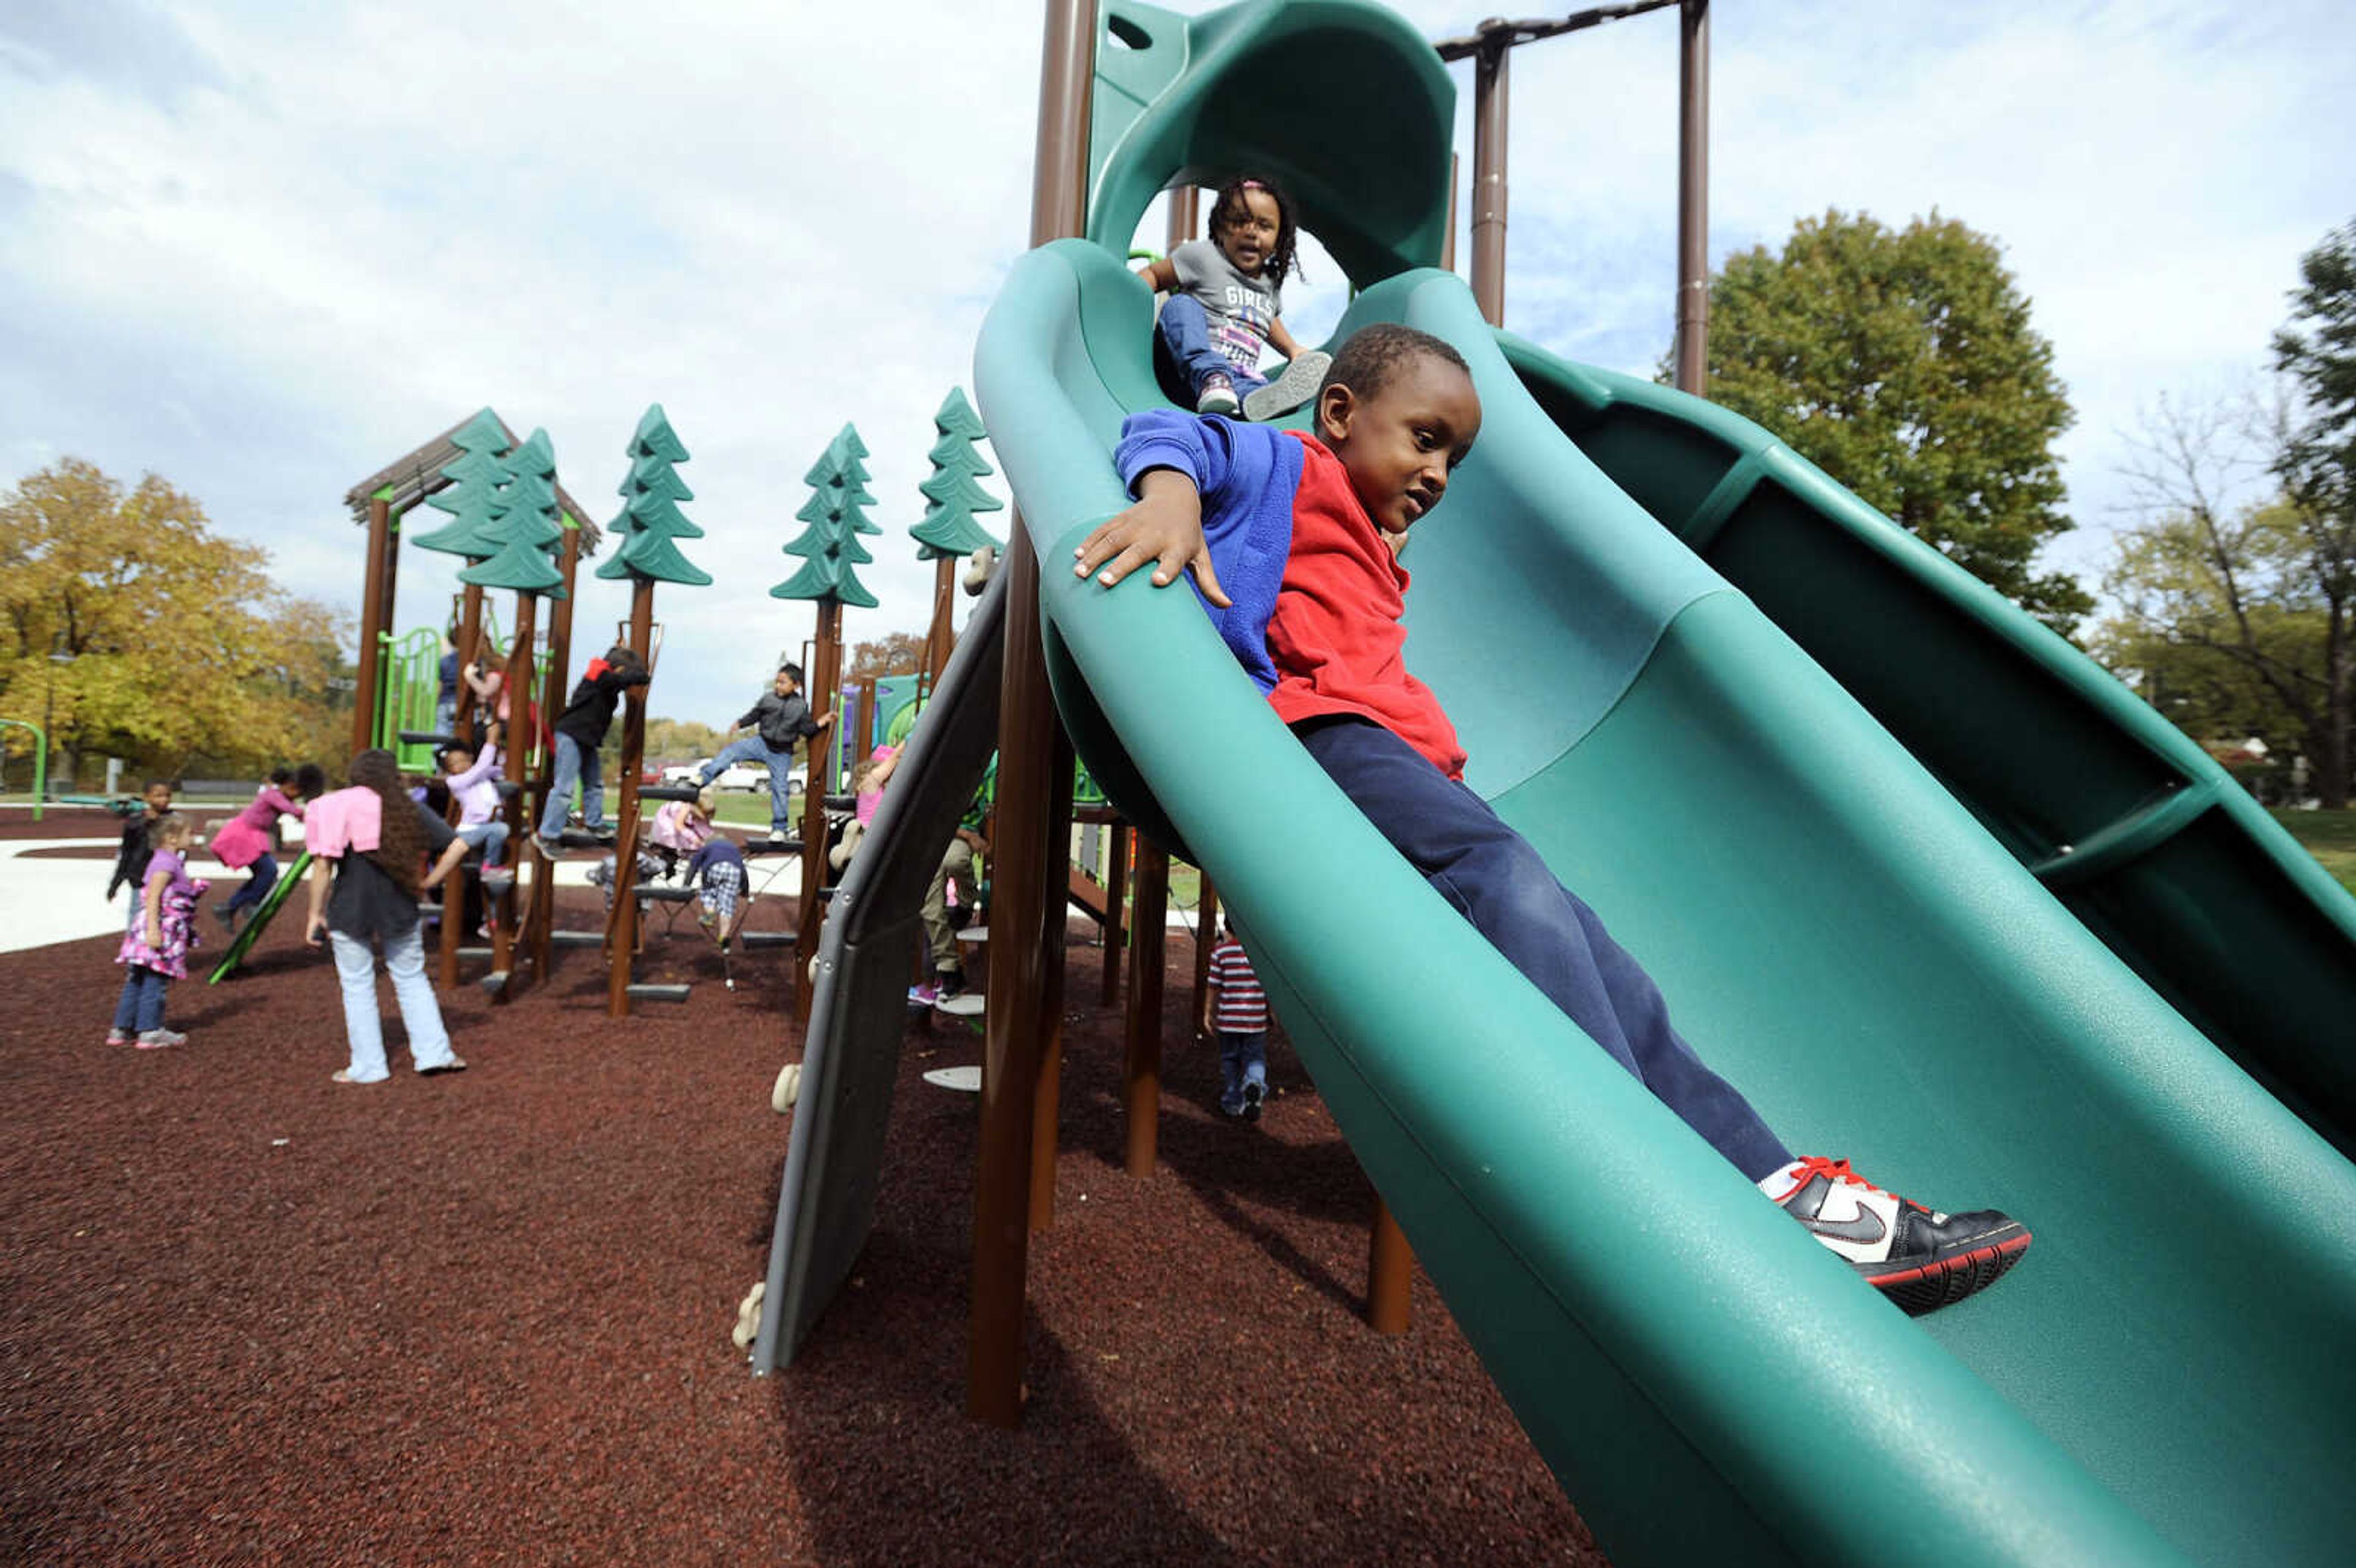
259, 877
1494, 878
421, 1014
141, 1008
1187, 332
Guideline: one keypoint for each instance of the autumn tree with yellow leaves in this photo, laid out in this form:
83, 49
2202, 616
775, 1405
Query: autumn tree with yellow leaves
140, 632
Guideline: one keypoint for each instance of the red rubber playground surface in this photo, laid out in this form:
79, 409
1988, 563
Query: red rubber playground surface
248, 1314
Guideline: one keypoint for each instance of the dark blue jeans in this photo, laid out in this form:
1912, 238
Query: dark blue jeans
260, 876
1493, 878
141, 1008
1187, 332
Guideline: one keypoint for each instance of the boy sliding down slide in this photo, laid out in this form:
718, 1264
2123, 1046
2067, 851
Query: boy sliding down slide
1295, 525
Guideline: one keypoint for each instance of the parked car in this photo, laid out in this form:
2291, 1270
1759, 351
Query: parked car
751, 778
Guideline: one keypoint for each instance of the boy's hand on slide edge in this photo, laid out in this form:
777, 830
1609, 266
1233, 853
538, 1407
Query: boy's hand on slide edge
1164, 528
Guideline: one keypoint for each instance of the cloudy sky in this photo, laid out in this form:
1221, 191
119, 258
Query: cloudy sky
265, 249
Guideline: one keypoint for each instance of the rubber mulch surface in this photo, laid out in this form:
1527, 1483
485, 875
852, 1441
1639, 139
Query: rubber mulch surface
248, 1314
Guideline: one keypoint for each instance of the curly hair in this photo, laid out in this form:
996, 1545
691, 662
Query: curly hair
1281, 263
399, 852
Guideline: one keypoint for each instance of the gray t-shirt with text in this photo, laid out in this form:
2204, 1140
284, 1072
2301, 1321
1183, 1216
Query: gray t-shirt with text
1239, 308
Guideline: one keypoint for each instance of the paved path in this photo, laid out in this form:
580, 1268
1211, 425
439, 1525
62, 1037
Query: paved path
48, 900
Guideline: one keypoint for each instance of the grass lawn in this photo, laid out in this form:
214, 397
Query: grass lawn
2330, 836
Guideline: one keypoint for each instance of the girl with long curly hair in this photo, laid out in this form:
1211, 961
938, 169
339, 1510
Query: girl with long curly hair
370, 843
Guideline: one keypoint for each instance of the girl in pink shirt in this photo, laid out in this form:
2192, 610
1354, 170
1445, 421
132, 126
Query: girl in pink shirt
245, 841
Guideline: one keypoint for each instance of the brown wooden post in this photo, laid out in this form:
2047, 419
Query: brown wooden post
1028, 863
1141, 1063
624, 938
1047, 1097
1207, 911
1116, 874
1693, 198
1490, 71
822, 678
375, 602
1390, 1274
554, 691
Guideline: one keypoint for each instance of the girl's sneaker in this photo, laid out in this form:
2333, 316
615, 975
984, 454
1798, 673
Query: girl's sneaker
1289, 391
1254, 1093
159, 1039
119, 1037
1218, 395
1919, 1258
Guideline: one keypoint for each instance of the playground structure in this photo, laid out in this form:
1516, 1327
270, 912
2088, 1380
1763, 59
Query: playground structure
1847, 918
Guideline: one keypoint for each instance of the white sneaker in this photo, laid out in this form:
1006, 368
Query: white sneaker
1289, 391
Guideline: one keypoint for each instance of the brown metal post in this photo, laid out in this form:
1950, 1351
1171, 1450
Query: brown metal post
1185, 205
1490, 68
823, 675
1693, 198
1141, 1062
1448, 244
1116, 874
513, 759
940, 638
623, 940
553, 692
1028, 861
454, 890
1206, 912
374, 598
1390, 1274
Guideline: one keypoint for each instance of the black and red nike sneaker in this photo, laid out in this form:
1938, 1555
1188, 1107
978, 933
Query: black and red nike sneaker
1919, 1258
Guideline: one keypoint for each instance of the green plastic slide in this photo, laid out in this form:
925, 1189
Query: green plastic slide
258, 921
2158, 1380
2133, 827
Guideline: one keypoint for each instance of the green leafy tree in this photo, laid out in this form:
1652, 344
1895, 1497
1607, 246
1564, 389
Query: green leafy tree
1904, 364
525, 525
951, 492
135, 629
2221, 619
651, 525
472, 498
836, 515
2313, 456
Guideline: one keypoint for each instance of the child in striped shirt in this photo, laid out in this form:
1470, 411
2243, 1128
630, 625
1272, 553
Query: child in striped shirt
1240, 1016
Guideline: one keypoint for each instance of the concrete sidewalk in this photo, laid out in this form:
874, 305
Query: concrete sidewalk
45, 902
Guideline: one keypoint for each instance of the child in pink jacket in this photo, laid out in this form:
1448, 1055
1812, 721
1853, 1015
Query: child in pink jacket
245, 841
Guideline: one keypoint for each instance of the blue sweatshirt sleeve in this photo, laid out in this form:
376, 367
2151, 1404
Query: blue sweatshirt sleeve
1248, 475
